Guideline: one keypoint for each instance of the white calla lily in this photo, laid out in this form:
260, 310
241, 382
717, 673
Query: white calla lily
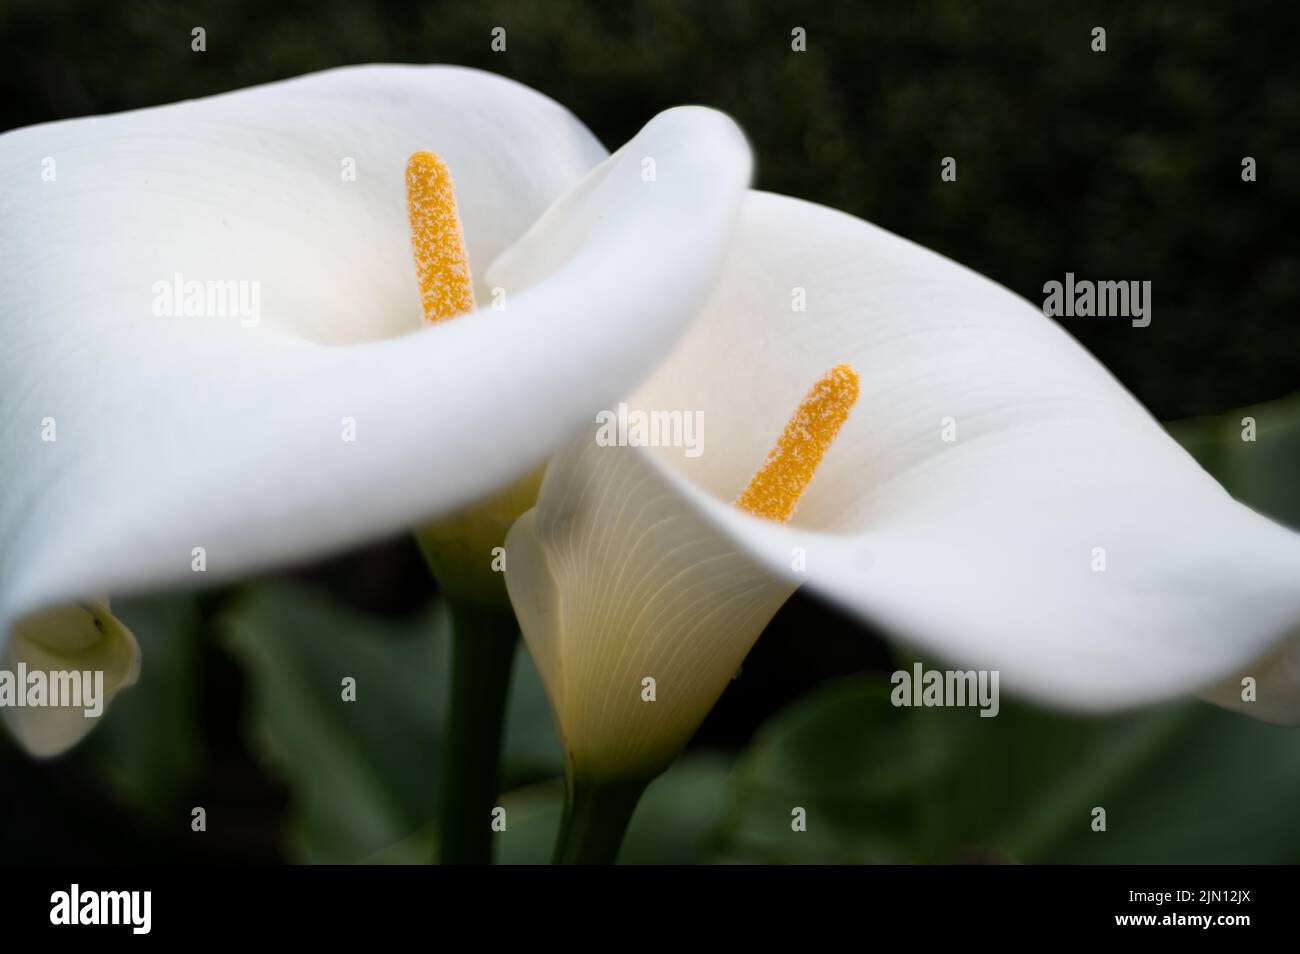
1062, 538
140, 447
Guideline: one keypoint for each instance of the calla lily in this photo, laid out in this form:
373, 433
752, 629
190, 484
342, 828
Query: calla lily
1058, 536
141, 448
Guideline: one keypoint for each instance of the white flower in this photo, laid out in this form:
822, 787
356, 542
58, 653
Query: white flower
147, 443
1057, 535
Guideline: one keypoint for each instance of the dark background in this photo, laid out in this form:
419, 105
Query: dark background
1123, 164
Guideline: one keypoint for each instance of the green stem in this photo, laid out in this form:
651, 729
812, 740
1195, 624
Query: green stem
483, 649
596, 816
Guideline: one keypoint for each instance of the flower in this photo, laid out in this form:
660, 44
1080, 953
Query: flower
995, 498
213, 357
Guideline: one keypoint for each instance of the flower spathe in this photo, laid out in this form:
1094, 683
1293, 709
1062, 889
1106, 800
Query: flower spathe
176, 432
615, 581
83, 638
995, 499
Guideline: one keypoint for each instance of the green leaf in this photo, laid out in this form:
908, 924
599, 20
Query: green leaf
364, 774
681, 814
148, 747
1183, 783
1221, 788
843, 756
1260, 473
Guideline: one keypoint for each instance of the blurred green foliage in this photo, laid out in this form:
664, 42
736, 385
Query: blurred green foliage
149, 749
363, 773
1186, 783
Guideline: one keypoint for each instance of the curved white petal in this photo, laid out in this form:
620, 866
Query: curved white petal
616, 580
82, 647
176, 433
981, 550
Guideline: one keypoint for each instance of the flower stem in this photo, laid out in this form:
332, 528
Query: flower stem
483, 649
596, 816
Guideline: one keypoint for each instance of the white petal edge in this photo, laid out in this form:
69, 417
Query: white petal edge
979, 551
175, 434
